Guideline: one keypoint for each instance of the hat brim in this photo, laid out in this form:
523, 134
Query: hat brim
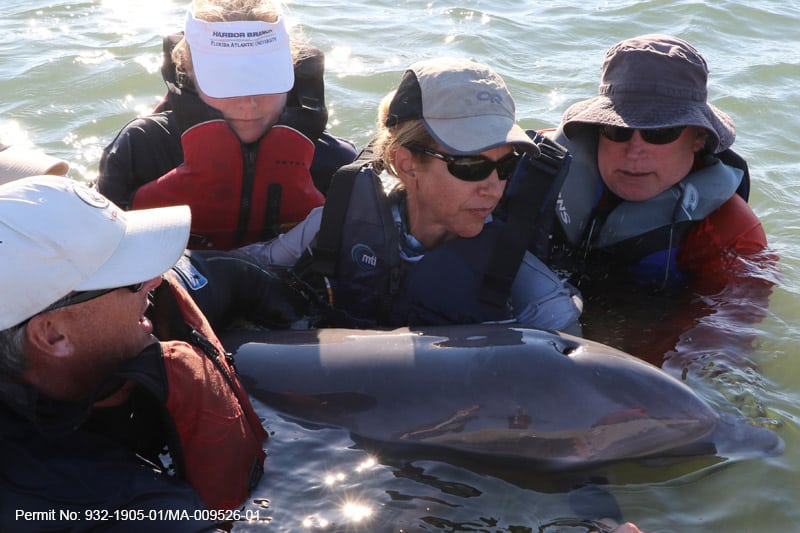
16, 163
472, 135
231, 76
648, 114
154, 240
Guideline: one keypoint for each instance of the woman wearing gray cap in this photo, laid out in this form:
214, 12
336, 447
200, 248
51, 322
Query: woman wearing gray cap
653, 193
420, 254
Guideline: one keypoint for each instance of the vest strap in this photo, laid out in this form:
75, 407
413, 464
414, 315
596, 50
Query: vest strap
526, 215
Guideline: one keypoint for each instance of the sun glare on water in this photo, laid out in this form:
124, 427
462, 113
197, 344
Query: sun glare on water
155, 16
356, 511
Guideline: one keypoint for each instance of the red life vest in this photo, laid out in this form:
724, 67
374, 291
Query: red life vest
238, 194
220, 434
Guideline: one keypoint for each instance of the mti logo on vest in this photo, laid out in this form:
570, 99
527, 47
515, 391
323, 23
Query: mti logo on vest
363, 256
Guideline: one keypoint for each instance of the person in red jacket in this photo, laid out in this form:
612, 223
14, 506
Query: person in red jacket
654, 193
651, 220
97, 413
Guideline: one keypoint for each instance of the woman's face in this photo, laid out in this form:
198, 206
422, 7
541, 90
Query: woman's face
636, 170
441, 206
250, 117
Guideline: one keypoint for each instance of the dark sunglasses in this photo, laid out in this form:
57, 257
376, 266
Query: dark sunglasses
619, 134
77, 297
471, 167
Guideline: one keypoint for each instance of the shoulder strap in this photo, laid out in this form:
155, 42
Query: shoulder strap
305, 105
731, 158
337, 201
326, 250
527, 212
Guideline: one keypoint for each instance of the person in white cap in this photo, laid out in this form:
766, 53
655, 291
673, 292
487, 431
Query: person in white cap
654, 194
421, 255
96, 413
240, 137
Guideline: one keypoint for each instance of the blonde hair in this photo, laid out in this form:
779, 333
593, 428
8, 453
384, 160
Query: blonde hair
234, 10
390, 138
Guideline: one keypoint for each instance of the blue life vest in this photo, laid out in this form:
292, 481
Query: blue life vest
358, 252
641, 237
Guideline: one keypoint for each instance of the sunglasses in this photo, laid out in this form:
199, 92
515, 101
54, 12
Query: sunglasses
84, 296
619, 134
471, 167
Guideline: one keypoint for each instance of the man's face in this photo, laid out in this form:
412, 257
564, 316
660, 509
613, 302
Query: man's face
636, 170
89, 340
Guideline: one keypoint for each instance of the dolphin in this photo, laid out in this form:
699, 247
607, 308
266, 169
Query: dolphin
552, 399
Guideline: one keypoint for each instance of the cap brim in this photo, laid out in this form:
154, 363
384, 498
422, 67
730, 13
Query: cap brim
230, 76
648, 114
154, 241
16, 163
472, 135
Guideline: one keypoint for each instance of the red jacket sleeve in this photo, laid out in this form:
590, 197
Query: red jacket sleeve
727, 244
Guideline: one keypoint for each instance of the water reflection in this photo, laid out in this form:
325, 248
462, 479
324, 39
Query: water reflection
356, 511
552, 54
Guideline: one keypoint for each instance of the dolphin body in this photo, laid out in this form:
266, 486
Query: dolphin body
510, 392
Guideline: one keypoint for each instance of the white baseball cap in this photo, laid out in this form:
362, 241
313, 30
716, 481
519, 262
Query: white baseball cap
58, 236
19, 162
240, 58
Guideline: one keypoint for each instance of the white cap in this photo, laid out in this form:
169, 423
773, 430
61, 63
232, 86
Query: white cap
17, 162
58, 236
240, 58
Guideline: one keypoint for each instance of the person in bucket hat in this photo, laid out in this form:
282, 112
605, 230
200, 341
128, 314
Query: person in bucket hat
654, 193
241, 88
448, 138
653, 82
99, 416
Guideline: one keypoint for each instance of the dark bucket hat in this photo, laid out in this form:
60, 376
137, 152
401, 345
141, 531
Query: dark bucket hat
653, 81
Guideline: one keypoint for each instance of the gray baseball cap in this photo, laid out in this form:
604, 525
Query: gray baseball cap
465, 106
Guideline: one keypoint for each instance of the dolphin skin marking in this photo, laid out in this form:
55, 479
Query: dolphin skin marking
497, 390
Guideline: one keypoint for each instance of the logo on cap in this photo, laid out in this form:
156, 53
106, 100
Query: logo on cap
490, 96
90, 196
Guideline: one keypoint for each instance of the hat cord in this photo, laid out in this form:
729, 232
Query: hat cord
678, 204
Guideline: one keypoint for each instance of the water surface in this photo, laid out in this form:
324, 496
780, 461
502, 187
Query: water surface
75, 72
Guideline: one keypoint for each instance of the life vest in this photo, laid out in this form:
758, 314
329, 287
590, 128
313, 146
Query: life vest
213, 434
526, 208
220, 434
357, 252
447, 285
241, 193
238, 194
644, 237
356, 249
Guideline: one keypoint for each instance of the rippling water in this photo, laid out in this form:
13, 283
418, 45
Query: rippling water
75, 72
